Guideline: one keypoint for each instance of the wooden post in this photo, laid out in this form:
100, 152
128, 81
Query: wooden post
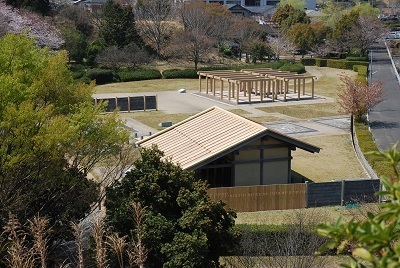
207, 82
312, 87
144, 103
237, 94
249, 90
298, 92
200, 83
222, 89
213, 85
229, 90
262, 90
129, 104
233, 89
295, 85
243, 86
285, 90
304, 86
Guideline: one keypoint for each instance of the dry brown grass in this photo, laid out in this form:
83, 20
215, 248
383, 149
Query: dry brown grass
148, 86
264, 119
336, 160
305, 111
153, 118
328, 82
280, 217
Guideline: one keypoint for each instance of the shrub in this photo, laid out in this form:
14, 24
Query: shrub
78, 70
296, 67
308, 62
362, 70
139, 74
343, 64
321, 62
102, 76
352, 58
176, 73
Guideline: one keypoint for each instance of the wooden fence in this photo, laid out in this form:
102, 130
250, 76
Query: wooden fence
292, 196
263, 197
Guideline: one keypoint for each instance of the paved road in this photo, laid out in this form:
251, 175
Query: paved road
385, 117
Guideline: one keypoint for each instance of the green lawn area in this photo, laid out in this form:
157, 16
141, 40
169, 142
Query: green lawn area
153, 118
305, 111
148, 86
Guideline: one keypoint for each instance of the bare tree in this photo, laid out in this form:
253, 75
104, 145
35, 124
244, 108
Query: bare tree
204, 25
129, 56
280, 45
152, 23
245, 31
356, 98
367, 31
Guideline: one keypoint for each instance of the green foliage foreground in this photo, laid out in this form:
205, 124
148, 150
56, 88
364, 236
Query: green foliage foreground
51, 136
182, 226
373, 242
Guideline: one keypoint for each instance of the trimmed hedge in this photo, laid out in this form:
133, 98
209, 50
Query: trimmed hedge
102, 76
321, 62
192, 73
308, 62
343, 64
352, 58
139, 74
176, 73
295, 67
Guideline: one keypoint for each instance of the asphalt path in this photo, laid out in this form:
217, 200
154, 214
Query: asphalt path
384, 119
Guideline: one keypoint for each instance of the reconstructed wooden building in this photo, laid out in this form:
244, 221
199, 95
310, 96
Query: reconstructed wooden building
229, 150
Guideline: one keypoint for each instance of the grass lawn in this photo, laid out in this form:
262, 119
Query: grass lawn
329, 83
148, 86
264, 119
153, 118
336, 160
305, 111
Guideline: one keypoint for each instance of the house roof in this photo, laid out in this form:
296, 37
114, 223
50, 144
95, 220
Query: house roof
211, 134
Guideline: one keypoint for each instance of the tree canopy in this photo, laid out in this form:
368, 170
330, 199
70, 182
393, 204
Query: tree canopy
118, 25
183, 227
51, 134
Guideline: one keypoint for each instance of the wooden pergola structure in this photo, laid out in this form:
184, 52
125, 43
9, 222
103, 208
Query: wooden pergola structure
266, 83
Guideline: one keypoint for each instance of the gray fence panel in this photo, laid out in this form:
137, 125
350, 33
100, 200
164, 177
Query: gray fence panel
360, 191
324, 194
151, 103
111, 105
123, 104
137, 103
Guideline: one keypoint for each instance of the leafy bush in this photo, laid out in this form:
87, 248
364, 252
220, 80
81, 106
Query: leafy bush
78, 70
139, 74
308, 62
176, 73
296, 67
352, 58
321, 62
102, 76
343, 64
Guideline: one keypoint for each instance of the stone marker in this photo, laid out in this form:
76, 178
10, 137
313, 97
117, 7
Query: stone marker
182, 90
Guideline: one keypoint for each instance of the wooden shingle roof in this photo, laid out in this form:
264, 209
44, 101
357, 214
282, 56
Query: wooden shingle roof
209, 135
